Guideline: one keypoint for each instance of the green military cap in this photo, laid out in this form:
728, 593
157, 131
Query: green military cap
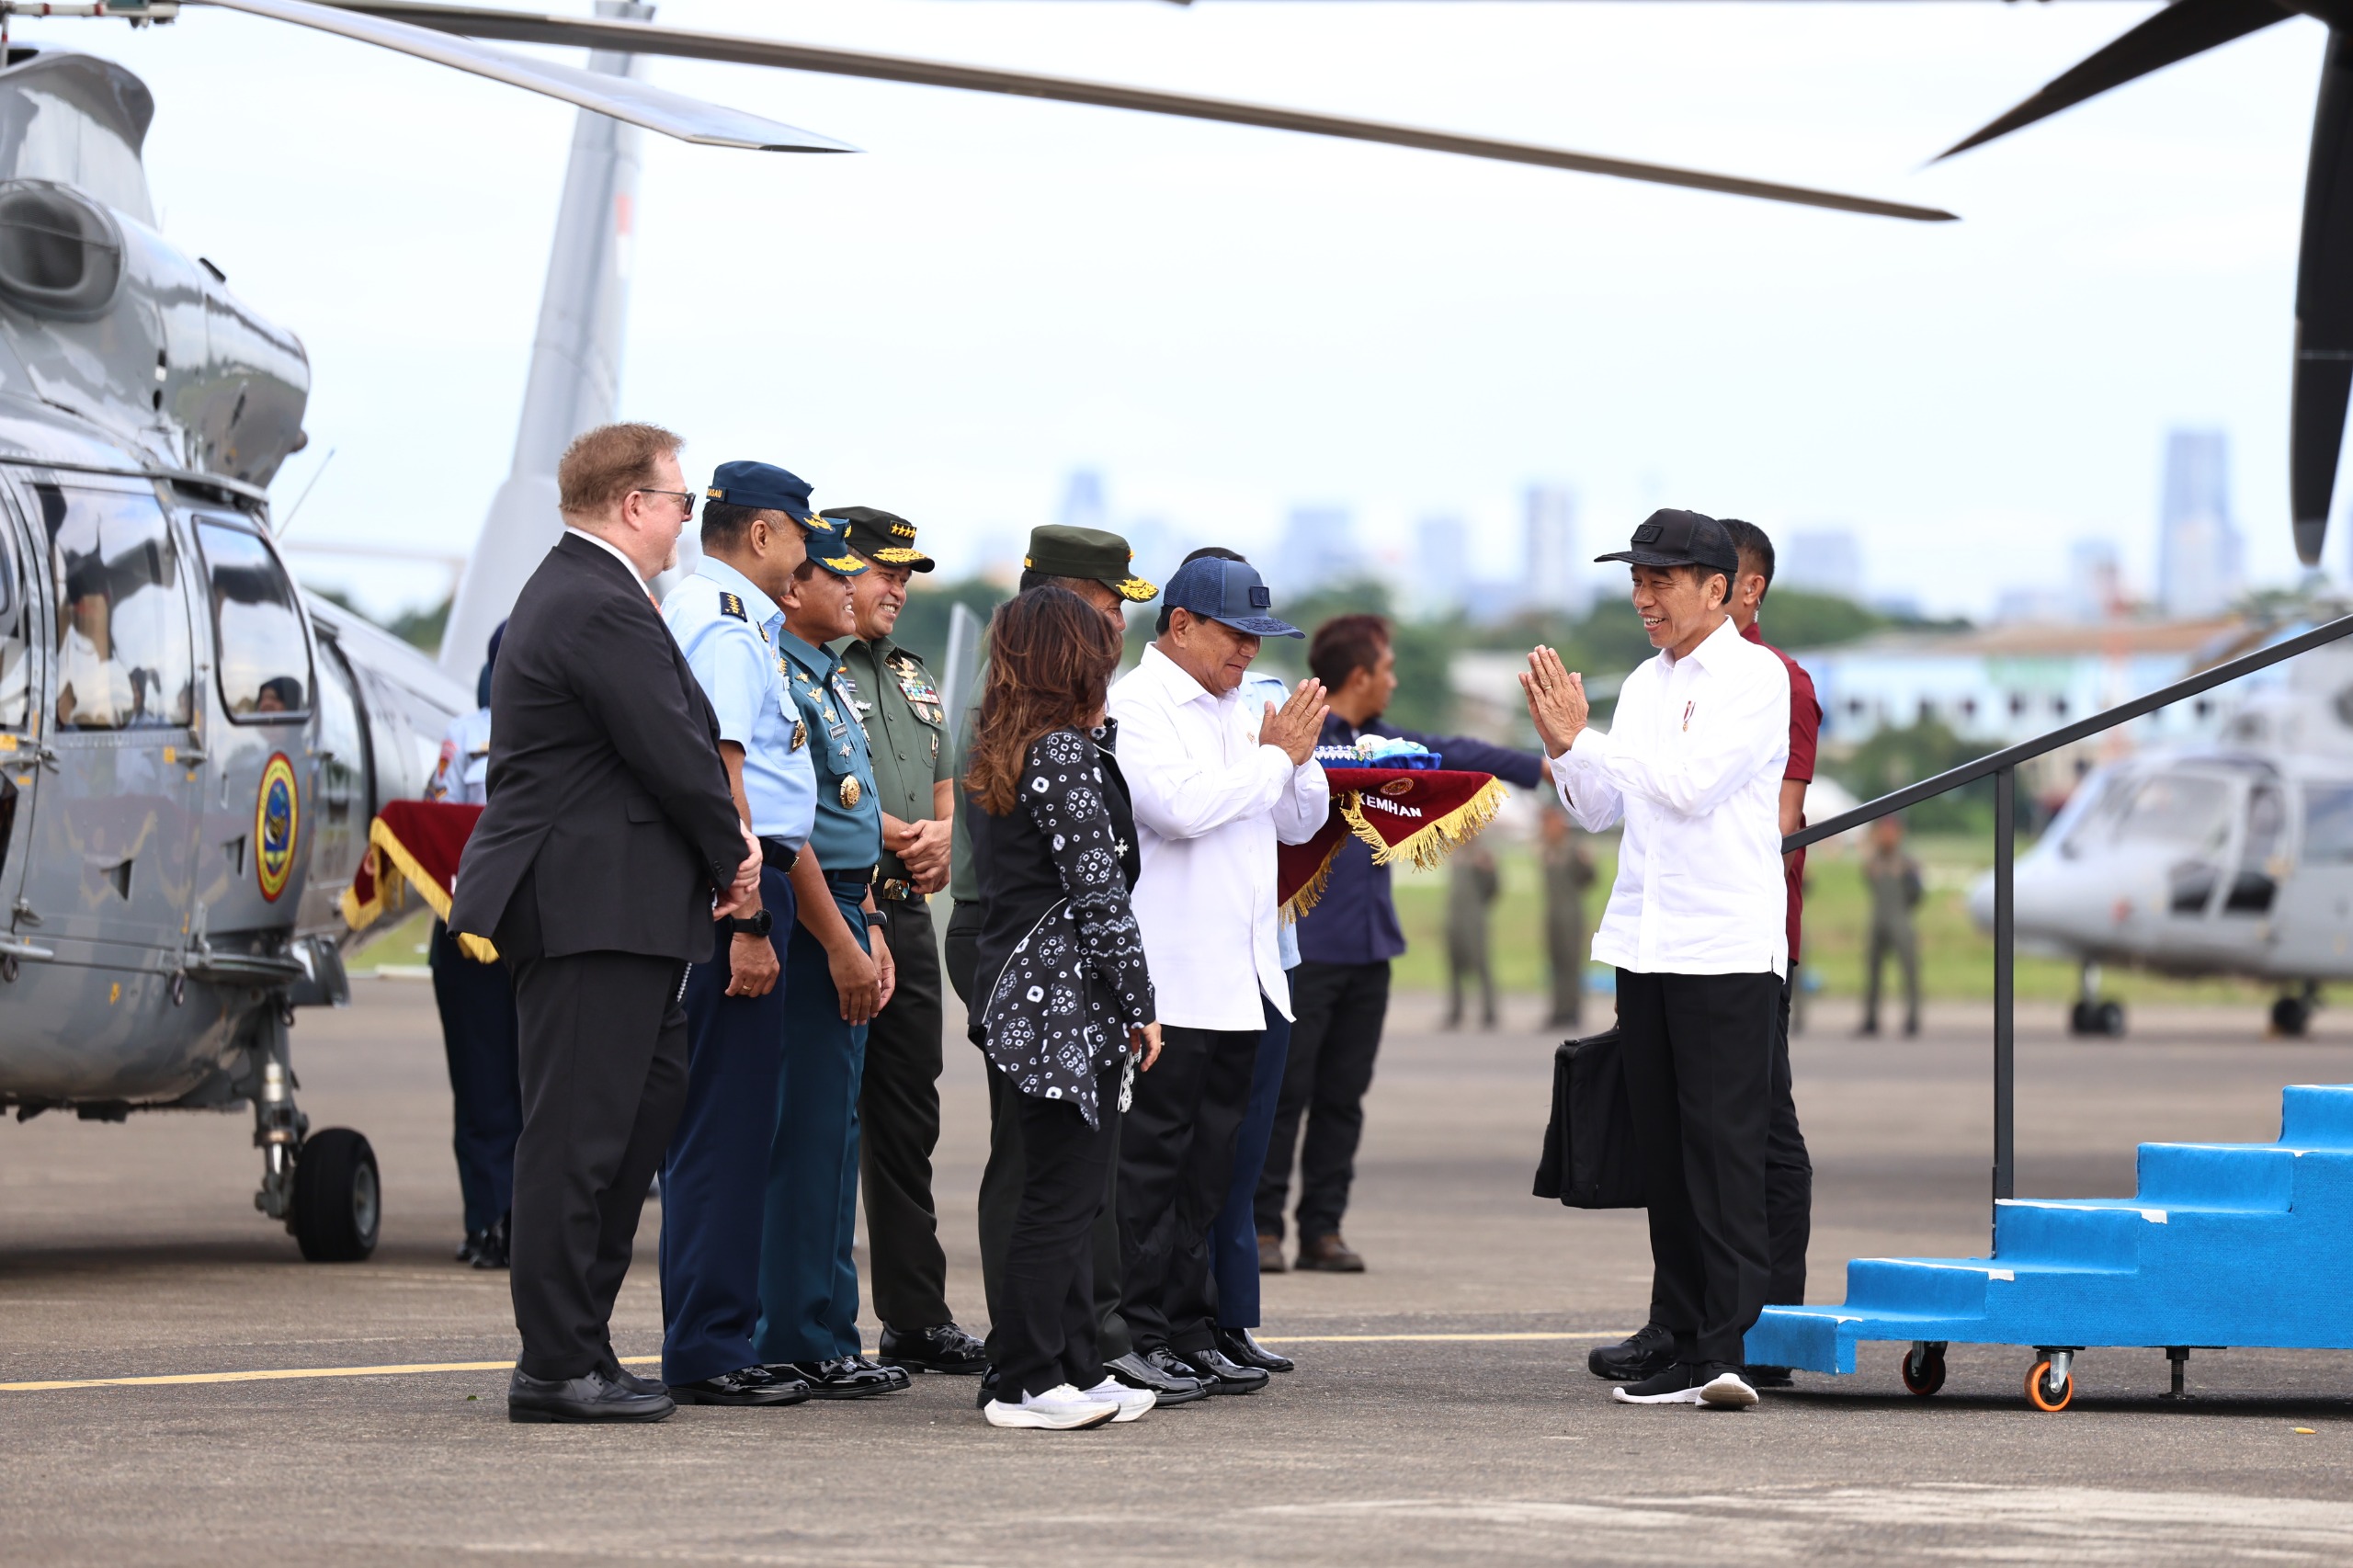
883, 538
1060, 550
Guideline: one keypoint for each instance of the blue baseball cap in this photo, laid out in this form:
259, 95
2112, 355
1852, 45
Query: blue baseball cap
1227, 591
770, 489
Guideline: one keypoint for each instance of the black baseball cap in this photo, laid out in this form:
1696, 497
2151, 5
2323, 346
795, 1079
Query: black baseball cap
1672, 537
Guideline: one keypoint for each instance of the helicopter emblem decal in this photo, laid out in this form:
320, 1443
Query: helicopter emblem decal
277, 811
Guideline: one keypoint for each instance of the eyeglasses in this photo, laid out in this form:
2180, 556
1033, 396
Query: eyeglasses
686, 498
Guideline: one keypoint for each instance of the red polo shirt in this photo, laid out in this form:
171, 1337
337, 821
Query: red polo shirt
1805, 735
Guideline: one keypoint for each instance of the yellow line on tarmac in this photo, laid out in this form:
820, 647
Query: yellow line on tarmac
291, 1374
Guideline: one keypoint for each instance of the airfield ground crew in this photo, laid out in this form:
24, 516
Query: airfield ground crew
755, 531
906, 730
838, 974
1893, 879
476, 1001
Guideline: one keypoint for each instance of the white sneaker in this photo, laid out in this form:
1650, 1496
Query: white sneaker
1059, 1409
1728, 1391
1133, 1403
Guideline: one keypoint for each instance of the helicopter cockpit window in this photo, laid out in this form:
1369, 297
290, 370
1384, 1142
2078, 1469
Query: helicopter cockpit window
257, 632
16, 647
2180, 809
124, 659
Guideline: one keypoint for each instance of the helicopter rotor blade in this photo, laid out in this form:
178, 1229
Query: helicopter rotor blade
673, 114
644, 38
2324, 306
2180, 30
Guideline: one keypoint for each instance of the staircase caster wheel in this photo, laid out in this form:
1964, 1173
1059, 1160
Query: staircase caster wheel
2291, 1017
338, 1197
1924, 1368
2040, 1394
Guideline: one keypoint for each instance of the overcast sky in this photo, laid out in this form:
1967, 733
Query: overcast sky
1227, 322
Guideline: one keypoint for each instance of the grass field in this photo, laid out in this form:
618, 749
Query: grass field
1956, 959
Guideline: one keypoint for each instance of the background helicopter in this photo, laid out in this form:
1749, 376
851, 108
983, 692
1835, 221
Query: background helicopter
190, 747
2231, 859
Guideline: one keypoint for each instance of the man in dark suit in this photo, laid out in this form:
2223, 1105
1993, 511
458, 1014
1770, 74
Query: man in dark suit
609, 844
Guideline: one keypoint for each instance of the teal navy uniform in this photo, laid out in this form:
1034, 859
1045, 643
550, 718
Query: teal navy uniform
808, 1279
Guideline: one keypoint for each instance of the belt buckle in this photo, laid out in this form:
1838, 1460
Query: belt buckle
898, 890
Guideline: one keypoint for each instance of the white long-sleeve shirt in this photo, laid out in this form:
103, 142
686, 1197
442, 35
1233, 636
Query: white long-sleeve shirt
1210, 804
1693, 764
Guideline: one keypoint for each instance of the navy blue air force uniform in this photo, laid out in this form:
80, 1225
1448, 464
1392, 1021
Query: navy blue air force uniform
714, 1179
808, 1280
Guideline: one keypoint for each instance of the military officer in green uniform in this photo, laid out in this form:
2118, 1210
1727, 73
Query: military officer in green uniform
837, 976
907, 732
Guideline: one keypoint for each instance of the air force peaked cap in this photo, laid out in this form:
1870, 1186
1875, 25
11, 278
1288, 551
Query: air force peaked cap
1672, 537
1230, 591
767, 488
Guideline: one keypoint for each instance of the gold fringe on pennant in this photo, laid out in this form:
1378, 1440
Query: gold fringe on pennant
1311, 893
391, 893
1432, 842
390, 855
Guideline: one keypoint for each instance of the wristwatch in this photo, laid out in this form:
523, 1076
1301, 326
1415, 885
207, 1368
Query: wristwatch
874, 921
759, 924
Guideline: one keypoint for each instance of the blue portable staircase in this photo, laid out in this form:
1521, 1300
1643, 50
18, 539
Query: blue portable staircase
2225, 1245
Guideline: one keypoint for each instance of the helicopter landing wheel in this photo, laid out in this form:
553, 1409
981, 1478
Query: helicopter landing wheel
2050, 1384
338, 1197
1924, 1367
2292, 1017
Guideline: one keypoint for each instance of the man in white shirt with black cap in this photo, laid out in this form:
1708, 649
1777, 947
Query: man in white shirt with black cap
1216, 782
1691, 766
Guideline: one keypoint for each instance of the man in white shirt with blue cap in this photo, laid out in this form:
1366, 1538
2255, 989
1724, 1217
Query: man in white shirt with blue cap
756, 522
1692, 764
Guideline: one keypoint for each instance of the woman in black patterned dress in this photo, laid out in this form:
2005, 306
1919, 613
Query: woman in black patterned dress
1065, 1009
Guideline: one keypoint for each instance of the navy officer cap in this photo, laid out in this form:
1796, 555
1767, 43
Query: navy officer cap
767, 488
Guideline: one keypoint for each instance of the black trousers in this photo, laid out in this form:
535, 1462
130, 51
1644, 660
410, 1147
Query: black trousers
898, 1113
1339, 1009
1699, 1057
1002, 1178
477, 1005
1048, 1334
603, 1057
1176, 1165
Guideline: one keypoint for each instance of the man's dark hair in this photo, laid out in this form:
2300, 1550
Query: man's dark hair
1345, 644
1207, 552
723, 527
1753, 544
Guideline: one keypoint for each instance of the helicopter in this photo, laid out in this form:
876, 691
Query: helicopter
2228, 858
191, 746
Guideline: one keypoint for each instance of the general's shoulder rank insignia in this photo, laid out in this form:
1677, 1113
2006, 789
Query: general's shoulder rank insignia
851, 793
800, 736
731, 605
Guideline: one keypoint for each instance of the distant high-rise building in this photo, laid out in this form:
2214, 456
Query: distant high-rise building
1441, 566
2094, 579
1318, 550
1083, 501
1821, 561
1553, 578
2198, 563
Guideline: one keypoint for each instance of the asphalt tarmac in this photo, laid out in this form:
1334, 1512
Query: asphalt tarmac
1441, 1413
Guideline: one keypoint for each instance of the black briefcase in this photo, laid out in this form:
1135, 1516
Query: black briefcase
1590, 1161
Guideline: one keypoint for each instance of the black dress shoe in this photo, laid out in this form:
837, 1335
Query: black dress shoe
899, 1376
1224, 1375
843, 1376
1167, 1386
1649, 1352
1765, 1377
595, 1397
631, 1382
745, 1385
1241, 1347
491, 1251
470, 1248
941, 1349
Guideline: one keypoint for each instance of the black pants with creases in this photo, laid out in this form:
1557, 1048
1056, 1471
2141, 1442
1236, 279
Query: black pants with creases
1046, 1335
603, 1057
898, 1115
1698, 1061
1176, 1165
1339, 1010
